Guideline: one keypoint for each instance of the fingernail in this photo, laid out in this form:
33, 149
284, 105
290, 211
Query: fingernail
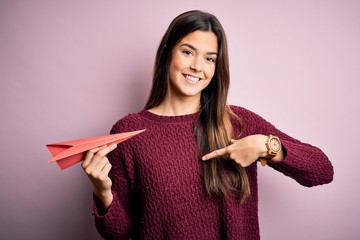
113, 146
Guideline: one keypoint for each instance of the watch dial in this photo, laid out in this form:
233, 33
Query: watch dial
275, 145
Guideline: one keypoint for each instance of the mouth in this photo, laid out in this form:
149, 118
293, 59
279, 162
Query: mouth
192, 79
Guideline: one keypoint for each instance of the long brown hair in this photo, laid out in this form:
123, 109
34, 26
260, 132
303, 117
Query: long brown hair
213, 128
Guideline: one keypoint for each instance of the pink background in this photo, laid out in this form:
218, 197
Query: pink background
70, 69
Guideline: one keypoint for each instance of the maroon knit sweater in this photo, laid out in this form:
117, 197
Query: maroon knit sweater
158, 189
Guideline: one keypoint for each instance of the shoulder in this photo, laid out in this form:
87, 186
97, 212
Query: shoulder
251, 122
244, 114
130, 122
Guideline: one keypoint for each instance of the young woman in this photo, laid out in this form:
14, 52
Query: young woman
193, 173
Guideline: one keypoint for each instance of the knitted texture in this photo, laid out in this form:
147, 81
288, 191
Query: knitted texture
158, 187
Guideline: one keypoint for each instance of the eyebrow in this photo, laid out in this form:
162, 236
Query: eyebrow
195, 49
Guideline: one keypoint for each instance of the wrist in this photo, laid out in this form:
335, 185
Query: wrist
105, 198
273, 150
261, 146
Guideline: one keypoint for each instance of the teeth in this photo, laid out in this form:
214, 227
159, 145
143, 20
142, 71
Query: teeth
191, 78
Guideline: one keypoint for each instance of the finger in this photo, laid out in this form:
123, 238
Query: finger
103, 152
232, 141
94, 171
98, 156
215, 153
90, 154
105, 171
107, 168
93, 156
99, 167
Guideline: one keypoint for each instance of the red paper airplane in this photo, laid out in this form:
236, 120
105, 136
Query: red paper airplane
69, 153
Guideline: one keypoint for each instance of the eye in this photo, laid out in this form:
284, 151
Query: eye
209, 59
188, 52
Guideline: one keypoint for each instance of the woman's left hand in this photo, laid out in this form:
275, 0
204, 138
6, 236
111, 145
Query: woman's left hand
244, 151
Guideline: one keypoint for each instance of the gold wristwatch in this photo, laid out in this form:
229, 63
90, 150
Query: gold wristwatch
273, 145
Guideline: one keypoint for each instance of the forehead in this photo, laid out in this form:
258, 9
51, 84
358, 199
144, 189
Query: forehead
202, 40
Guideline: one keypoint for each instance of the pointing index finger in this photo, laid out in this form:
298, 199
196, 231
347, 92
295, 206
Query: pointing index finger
215, 153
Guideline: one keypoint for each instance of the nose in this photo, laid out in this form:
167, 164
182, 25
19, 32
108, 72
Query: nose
196, 65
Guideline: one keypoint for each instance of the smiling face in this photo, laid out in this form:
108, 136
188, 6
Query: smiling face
192, 66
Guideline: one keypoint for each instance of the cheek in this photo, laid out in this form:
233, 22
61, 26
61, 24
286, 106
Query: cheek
210, 71
175, 67
173, 71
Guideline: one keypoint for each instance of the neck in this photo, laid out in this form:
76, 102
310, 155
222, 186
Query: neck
177, 107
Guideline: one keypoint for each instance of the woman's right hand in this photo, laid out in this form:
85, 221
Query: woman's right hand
97, 166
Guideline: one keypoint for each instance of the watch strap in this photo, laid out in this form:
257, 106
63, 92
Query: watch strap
270, 152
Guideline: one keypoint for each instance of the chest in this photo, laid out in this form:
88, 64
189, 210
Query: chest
168, 161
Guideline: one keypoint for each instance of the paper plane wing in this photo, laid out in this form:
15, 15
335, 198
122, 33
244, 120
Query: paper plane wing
69, 153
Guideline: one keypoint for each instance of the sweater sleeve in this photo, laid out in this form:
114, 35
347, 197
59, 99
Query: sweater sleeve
117, 222
305, 163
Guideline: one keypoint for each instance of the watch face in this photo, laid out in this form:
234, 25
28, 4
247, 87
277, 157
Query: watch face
274, 145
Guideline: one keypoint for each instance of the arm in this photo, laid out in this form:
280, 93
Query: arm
111, 191
97, 166
303, 162
306, 164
